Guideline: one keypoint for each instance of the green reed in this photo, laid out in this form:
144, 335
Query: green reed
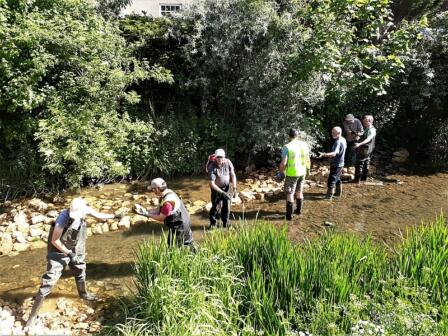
255, 281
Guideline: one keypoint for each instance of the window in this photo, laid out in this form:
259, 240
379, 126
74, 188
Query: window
169, 9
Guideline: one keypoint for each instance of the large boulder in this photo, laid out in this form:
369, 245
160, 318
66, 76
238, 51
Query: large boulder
400, 156
37, 204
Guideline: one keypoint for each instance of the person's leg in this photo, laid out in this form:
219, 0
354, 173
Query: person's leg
290, 188
79, 273
365, 169
49, 279
338, 191
332, 176
214, 209
299, 195
358, 170
225, 209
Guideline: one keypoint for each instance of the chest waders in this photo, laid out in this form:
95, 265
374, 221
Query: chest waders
73, 239
178, 223
363, 157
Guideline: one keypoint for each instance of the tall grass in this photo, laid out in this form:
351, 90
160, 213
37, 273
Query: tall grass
255, 281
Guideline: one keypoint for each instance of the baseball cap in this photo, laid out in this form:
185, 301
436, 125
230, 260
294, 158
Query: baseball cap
157, 183
220, 152
350, 117
78, 208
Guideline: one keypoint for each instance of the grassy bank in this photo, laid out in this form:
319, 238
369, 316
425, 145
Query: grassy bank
254, 281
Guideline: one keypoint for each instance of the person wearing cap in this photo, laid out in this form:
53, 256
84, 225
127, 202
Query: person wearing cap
171, 212
221, 176
66, 246
364, 149
336, 154
295, 164
353, 130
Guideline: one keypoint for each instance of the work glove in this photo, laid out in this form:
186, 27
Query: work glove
74, 259
227, 195
141, 210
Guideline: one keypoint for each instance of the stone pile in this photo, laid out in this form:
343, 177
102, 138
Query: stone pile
66, 320
26, 223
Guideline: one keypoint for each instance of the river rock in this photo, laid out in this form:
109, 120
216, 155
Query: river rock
21, 221
125, 223
200, 203
105, 227
195, 209
19, 237
3, 219
247, 195
20, 247
114, 226
6, 245
38, 204
400, 156
37, 244
259, 196
89, 232
38, 219
123, 211
236, 200
97, 229
208, 207
138, 219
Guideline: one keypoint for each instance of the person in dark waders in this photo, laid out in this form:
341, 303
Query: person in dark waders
221, 174
294, 165
66, 246
172, 213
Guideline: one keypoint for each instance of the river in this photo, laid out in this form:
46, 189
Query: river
382, 211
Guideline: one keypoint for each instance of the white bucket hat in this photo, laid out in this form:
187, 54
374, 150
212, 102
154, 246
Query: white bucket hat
78, 208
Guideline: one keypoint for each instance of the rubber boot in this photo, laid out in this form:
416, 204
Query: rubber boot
329, 194
82, 291
36, 306
299, 207
289, 207
338, 191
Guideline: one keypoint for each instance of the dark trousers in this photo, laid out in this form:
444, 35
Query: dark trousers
334, 177
216, 199
179, 235
362, 169
350, 154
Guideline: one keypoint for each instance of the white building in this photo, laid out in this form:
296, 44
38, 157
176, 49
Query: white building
154, 8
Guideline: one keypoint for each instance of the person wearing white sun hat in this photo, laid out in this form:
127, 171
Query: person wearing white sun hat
66, 246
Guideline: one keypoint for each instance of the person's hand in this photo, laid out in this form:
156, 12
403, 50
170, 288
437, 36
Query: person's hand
227, 195
141, 210
356, 145
280, 176
321, 155
74, 259
234, 193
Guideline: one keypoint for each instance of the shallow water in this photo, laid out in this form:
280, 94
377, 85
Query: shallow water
383, 211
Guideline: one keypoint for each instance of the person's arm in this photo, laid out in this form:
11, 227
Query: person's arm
284, 160
232, 176
366, 141
56, 239
336, 150
164, 212
214, 187
100, 215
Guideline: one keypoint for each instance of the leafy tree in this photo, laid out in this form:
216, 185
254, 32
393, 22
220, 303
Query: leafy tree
67, 72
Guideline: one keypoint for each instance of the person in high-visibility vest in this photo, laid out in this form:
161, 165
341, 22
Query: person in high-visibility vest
295, 164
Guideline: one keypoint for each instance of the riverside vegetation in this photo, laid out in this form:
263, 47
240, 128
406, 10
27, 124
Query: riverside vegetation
254, 281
